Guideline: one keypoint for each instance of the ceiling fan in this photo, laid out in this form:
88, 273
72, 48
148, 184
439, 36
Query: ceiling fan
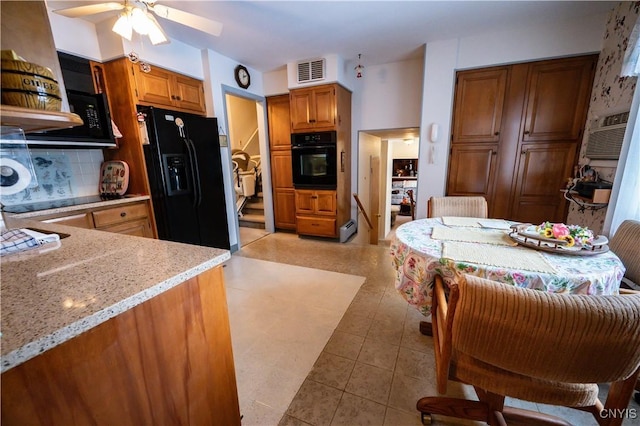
138, 16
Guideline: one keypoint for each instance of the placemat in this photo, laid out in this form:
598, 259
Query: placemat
517, 258
461, 221
472, 236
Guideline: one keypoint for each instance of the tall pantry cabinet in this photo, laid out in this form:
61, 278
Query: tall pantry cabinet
284, 200
516, 133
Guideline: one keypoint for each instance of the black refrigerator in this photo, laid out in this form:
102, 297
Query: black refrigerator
185, 174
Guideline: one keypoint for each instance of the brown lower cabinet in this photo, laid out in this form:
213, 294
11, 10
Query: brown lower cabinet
129, 218
316, 212
165, 361
516, 133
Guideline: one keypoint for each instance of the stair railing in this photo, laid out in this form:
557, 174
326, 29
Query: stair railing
361, 209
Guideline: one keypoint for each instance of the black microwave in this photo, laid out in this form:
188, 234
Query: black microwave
96, 130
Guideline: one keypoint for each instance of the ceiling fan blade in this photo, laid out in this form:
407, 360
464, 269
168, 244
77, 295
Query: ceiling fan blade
189, 19
91, 9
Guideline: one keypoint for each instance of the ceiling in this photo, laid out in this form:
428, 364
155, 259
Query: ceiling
266, 35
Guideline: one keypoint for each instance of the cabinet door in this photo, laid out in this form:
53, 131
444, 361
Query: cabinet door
154, 87
279, 115
304, 201
281, 169
557, 99
324, 107
325, 203
313, 108
189, 94
479, 100
284, 204
542, 171
472, 170
301, 104
284, 208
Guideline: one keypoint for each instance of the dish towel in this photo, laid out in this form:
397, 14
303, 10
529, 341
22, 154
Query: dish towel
15, 240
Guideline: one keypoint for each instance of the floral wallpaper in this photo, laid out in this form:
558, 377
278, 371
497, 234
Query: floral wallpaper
610, 93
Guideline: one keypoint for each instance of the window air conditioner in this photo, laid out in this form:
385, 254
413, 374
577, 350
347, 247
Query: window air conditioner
605, 138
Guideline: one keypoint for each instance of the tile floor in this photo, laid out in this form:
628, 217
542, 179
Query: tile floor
375, 364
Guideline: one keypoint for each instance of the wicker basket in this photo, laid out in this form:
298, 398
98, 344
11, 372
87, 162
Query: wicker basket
29, 85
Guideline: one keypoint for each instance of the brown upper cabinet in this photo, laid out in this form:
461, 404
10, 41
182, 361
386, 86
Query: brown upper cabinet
313, 109
516, 134
160, 87
478, 105
557, 96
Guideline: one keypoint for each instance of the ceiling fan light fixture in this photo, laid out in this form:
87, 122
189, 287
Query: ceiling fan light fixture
140, 21
156, 34
123, 26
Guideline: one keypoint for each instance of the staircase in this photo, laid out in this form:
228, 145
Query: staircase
252, 214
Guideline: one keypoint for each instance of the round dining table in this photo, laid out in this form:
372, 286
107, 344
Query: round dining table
424, 248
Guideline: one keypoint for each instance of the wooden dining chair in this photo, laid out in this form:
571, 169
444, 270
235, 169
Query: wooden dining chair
457, 206
625, 243
412, 204
534, 346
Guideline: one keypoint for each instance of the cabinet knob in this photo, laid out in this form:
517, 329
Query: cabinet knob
178, 98
496, 133
173, 97
123, 214
312, 121
314, 196
526, 132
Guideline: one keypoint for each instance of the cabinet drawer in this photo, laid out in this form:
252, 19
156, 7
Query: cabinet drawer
79, 221
320, 226
138, 228
120, 214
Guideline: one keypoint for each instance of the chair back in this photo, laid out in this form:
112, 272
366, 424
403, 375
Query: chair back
457, 206
560, 337
625, 243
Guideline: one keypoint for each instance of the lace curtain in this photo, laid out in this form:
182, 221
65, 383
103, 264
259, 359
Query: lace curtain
625, 195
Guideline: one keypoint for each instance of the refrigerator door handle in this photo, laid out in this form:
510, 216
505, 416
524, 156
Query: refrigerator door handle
197, 170
194, 177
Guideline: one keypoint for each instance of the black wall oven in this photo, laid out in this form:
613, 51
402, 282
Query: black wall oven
314, 158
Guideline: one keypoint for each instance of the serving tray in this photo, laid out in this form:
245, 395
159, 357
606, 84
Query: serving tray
524, 236
114, 178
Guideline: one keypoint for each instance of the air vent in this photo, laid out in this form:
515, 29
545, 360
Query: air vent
605, 139
311, 70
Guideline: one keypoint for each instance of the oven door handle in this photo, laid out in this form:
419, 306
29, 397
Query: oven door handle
323, 146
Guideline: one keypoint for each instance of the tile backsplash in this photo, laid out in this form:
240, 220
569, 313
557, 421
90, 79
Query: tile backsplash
61, 173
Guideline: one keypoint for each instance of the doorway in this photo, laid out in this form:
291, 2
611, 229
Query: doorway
250, 176
387, 180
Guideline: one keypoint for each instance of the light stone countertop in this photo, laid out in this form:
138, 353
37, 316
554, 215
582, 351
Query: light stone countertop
50, 295
114, 202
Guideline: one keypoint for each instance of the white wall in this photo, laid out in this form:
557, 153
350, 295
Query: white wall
443, 58
369, 146
402, 150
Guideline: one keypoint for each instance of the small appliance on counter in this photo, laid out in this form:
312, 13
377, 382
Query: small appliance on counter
114, 179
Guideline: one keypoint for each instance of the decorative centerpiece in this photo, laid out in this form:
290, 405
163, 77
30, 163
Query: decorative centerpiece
572, 234
559, 238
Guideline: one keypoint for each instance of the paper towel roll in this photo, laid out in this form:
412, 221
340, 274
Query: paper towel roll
14, 177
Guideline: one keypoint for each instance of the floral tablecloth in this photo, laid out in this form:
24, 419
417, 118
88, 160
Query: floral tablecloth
417, 260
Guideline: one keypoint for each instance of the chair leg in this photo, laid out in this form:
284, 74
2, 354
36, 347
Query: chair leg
617, 401
453, 407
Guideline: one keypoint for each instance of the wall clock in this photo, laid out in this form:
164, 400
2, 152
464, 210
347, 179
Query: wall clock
242, 76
